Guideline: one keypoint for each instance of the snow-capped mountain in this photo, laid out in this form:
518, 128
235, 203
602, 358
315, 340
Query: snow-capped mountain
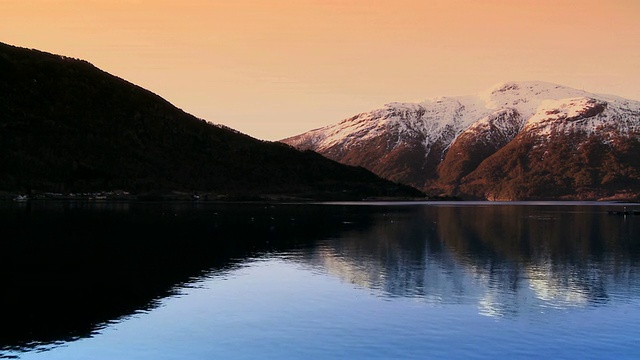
498, 144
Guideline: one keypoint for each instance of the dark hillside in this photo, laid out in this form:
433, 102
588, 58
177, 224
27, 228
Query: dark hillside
67, 126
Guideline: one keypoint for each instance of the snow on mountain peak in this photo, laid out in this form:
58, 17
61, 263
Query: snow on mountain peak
525, 139
526, 96
540, 106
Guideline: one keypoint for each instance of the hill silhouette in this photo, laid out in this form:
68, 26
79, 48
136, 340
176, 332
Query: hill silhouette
68, 126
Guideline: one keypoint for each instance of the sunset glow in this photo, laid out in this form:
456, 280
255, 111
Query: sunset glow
273, 69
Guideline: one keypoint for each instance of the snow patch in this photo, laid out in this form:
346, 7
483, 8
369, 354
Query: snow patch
542, 108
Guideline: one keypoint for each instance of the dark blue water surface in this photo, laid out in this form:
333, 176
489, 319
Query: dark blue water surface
92, 280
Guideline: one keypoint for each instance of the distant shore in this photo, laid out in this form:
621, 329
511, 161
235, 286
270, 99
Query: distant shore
200, 196
121, 195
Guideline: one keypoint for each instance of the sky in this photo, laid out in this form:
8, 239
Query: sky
276, 68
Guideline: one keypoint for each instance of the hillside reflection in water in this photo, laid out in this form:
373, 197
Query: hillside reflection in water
70, 270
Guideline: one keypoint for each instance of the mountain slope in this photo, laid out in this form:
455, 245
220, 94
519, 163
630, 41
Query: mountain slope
519, 140
67, 126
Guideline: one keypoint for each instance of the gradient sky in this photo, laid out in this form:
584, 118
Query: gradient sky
276, 68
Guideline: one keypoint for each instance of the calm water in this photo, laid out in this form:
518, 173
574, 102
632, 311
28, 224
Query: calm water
319, 281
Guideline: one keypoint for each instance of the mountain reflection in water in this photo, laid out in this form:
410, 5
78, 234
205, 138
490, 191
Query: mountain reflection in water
507, 258
70, 269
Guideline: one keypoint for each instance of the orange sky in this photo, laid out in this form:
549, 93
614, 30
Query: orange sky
277, 68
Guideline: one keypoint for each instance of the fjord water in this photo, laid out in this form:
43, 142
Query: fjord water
195, 280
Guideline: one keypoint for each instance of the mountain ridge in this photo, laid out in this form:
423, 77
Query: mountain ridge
67, 126
411, 143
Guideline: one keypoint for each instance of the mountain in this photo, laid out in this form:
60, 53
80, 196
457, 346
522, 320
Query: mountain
66, 126
515, 141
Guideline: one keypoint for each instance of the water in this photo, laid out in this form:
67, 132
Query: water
316, 281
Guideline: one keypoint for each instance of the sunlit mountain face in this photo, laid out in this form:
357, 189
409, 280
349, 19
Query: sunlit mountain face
515, 141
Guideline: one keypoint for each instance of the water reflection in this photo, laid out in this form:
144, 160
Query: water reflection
70, 269
507, 259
